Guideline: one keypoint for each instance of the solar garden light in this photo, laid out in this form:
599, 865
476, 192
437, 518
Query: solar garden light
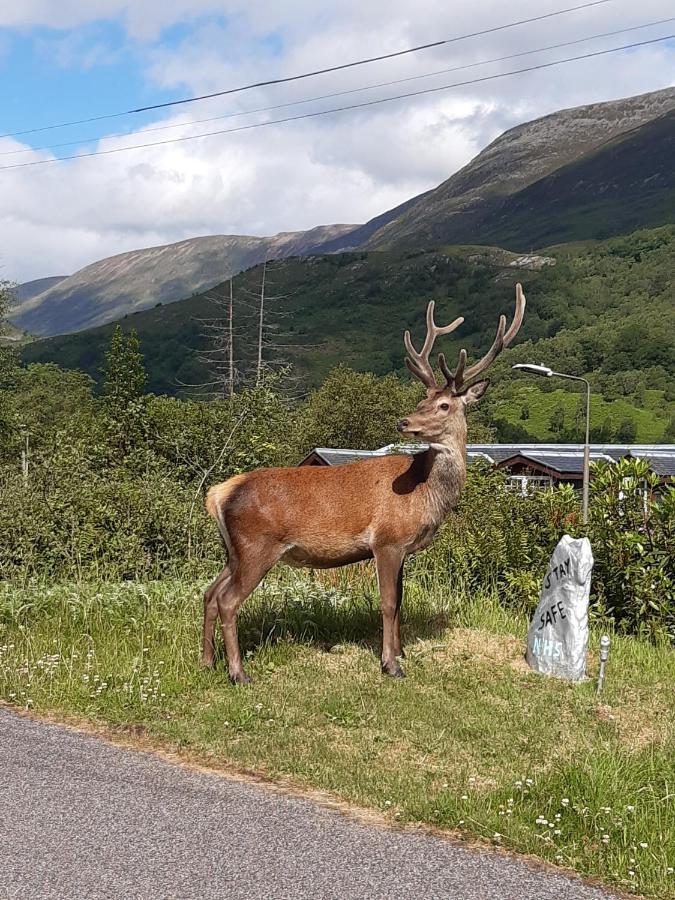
604, 655
533, 369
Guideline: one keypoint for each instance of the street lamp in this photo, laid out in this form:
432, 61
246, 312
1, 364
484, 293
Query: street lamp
533, 369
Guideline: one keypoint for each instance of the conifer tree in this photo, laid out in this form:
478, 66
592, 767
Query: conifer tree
124, 380
124, 372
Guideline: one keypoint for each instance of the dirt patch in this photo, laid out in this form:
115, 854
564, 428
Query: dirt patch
462, 645
638, 722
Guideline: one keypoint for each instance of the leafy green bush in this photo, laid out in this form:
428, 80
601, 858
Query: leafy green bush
633, 535
496, 537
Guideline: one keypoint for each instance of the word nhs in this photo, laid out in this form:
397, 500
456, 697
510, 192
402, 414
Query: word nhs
543, 647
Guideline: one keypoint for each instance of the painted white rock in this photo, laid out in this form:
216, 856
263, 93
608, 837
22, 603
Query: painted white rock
557, 642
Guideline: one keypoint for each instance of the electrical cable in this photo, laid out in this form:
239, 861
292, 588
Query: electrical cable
349, 65
357, 90
325, 112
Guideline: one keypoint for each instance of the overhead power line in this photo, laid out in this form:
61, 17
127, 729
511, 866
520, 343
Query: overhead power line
337, 109
358, 90
312, 74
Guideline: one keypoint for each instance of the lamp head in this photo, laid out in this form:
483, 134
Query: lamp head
533, 369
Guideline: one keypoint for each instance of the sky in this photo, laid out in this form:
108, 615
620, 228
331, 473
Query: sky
79, 59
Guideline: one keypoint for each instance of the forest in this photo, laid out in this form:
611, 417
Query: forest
605, 310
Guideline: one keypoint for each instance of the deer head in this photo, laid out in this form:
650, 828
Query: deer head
441, 417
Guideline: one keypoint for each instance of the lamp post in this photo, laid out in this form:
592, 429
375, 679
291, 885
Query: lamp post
533, 369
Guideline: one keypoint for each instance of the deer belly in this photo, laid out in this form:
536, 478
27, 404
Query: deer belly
423, 538
328, 554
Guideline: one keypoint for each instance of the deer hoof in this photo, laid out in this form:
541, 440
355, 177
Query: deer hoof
240, 678
393, 670
207, 663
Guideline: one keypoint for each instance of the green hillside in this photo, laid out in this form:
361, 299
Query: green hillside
559, 414
605, 309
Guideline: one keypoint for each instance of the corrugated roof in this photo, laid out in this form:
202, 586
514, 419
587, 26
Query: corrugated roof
570, 463
563, 458
338, 457
662, 463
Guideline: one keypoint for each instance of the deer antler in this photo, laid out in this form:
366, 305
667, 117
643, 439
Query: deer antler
456, 380
418, 363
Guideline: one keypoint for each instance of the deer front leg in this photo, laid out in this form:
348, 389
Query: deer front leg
398, 646
389, 564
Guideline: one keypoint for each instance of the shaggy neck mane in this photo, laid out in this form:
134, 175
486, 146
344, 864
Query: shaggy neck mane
447, 474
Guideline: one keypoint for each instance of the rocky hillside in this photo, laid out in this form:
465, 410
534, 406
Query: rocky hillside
30, 289
457, 211
128, 282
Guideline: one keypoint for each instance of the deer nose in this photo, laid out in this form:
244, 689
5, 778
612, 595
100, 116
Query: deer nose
402, 425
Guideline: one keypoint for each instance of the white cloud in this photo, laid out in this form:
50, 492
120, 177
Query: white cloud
345, 168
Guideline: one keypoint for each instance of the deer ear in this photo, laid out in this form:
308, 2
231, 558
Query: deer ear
475, 392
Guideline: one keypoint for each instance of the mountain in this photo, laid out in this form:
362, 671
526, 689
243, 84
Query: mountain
600, 308
139, 279
30, 289
578, 174
504, 177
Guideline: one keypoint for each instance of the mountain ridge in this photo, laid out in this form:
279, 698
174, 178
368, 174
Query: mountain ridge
126, 282
533, 151
504, 197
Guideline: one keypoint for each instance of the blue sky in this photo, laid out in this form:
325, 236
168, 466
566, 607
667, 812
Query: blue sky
80, 58
56, 76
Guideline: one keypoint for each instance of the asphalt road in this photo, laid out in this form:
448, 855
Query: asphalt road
80, 818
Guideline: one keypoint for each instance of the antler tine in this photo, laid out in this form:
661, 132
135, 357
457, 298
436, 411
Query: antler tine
517, 316
418, 363
502, 339
491, 355
453, 377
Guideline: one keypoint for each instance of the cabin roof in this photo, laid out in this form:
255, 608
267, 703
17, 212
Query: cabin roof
558, 459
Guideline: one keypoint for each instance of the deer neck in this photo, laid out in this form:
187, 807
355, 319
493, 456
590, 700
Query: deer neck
447, 474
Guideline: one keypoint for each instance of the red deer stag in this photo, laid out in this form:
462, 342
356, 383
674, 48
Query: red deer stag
383, 508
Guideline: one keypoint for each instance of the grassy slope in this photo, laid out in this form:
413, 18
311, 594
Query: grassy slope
605, 307
651, 419
471, 740
604, 194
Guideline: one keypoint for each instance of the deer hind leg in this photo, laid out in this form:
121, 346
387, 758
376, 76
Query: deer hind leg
389, 564
210, 616
231, 592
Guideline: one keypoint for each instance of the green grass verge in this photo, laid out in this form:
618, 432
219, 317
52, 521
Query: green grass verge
471, 740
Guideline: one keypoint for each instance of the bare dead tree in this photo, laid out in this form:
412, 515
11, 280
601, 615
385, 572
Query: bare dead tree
268, 311
218, 356
261, 323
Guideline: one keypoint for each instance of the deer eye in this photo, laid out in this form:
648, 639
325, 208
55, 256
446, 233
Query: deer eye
445, 406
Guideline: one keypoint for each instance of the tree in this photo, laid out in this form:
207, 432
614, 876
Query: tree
557, 421
124, 380
8, 359
626, 432
124, 371
8, 355
356, 410
604, 433
218, 357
